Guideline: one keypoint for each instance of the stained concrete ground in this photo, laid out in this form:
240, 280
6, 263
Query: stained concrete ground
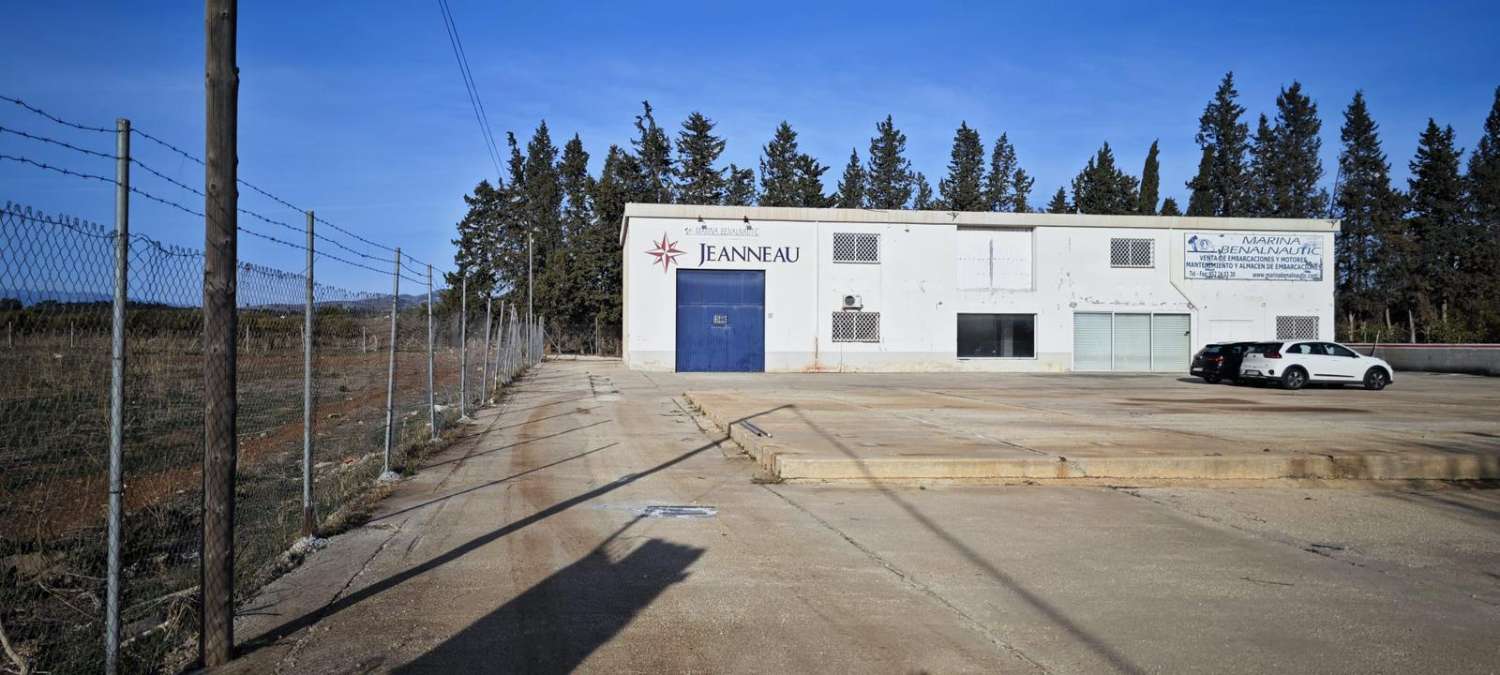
1424, 426
525, 548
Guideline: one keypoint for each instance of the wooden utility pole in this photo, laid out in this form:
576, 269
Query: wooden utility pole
220, 260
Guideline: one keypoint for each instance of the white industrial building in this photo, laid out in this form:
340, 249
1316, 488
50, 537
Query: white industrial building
720, 288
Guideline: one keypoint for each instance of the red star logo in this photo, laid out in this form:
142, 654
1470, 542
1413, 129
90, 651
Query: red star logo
665, 252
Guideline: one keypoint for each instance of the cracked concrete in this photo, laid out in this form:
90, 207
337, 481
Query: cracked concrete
523, 548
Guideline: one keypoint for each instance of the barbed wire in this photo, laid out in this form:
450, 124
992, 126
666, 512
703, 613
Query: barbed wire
199, 214
52, 117
53, 141
190, 157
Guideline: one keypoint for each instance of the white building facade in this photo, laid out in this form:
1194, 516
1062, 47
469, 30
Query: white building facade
718, 288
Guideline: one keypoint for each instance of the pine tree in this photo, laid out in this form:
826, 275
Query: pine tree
1150, 182
963, 188
888, 176
1437, 221
851, 190
741, 189
1483, 187
1102, 188
922, 200
1370, 237
778, 169
1059, 203
810, 183
653, 153
999, 184
1297, 167
1201, 201
699, 181
1224, 136
1169, 207
1020, 190
477, 245
1260, 183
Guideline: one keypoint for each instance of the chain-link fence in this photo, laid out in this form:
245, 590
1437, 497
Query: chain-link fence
375, 358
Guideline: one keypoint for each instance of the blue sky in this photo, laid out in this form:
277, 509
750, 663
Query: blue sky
357, 109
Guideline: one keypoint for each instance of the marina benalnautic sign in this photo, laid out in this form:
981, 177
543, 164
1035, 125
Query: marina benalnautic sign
1262, 256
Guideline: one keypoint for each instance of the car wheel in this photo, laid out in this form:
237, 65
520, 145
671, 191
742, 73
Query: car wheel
1211, 379
1375, 379
1293, 379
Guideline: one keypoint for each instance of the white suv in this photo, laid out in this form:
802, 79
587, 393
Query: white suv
1295, 363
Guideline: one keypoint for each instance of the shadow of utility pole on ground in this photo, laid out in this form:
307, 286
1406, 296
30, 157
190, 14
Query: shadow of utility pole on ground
555, 625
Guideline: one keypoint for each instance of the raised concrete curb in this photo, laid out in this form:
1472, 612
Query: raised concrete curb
788, 463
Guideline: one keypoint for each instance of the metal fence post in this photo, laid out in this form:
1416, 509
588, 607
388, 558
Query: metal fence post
431, 392
309, 521
463, 346
117, 393
500, 345
484, 356
390, 379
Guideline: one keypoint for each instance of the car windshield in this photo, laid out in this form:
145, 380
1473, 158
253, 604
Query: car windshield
1211, 349
1263, 347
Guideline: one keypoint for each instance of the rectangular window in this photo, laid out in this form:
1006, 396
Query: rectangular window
856, 326
1296, 328
1130, 252
997, 336
856, 247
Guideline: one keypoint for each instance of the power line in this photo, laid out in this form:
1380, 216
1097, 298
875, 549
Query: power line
455, 41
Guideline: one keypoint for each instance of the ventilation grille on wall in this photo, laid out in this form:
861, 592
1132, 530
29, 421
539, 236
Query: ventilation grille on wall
1130, 253
856, 247
1296, 328
856, 326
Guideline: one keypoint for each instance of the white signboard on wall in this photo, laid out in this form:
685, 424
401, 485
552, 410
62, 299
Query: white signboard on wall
1260, 256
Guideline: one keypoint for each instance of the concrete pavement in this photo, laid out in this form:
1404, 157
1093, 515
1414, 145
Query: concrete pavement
1137, 427
529, 546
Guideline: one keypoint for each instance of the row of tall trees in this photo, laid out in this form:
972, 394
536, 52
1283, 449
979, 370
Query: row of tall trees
1421, 263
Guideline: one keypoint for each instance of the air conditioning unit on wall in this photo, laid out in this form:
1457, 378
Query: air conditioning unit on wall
852, 301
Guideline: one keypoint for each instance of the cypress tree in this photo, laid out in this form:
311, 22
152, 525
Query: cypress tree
1201, 201
578, 188
1224, 137
1437, 223
1483, 183
542, 209
999, 184
1102, 188
1260, 184
888, 176
1169, 207
1020, 190
963, 188
1296, 166
1150, 182
922, 200
1370, 237
699, 181
1059, 203
851, 190
778, 169
653, 153
741, 188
